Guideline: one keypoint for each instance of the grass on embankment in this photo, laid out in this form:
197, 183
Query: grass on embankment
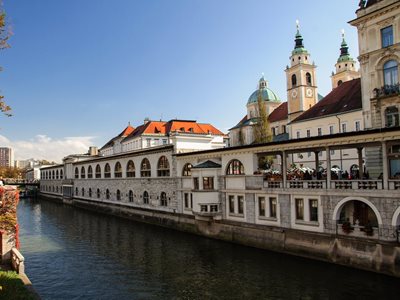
12, 287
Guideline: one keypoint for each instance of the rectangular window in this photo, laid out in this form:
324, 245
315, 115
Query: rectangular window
164, 142
196, 183
203, 208
344, 127
148, 143
283, 128
319, 131
332, 152
186, 196
240, 204
314, 210
272, 207
208, 183
357, 126
214, 208
299, 209
191, 200
309, 154
387, 36
231, 204
308, 132
261, 206
331, 130
298, 134
273, 131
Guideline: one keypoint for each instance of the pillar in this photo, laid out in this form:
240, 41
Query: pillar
385, 166
328, 167
360, 163
284, 168
316, 163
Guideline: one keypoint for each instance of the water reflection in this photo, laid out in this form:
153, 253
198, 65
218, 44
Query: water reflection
75, 254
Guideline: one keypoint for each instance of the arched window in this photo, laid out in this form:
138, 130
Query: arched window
146, 197
163, 167
390, 73
145, 168
76, 173
61, 174
83, 175
57, 174
56, 189
130, 169
163, 199
90, 172
98, 171
98, 193
294, 80
339, 82
117, 170
118, 195
107, 194
83, 192
308, 79
130, 196
187, 170
392, 116
53, 175
90, 192
107, 171
235, 167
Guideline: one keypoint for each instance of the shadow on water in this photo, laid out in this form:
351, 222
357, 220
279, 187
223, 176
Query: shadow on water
77, 254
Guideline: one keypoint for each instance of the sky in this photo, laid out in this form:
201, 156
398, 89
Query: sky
79, 70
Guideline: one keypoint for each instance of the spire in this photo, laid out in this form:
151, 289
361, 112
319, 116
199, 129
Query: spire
299, 45
344, 50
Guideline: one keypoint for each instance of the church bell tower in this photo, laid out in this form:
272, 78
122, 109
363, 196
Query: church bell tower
302, 90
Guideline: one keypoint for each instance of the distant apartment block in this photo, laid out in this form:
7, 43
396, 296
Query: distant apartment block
6, 157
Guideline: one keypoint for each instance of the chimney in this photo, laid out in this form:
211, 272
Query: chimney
93, 151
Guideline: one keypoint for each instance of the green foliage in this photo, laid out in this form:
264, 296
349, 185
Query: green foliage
10, 172
262, 132
12, 287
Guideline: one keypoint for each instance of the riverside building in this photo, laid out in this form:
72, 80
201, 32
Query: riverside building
179, 173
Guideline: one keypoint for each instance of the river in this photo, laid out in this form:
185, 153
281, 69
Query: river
71, 253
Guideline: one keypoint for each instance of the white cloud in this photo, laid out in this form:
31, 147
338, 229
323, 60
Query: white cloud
44, 147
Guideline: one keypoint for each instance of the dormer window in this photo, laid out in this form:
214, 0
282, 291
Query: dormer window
190, 129
182, 129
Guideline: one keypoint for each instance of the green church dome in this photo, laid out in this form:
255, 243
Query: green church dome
267, 95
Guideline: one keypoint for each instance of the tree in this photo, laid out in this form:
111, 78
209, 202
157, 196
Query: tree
4, 36
262, 132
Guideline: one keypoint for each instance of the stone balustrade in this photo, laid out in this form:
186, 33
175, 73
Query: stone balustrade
17, 261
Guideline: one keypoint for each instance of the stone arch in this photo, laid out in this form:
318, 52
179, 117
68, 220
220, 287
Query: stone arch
341, 203
396, 217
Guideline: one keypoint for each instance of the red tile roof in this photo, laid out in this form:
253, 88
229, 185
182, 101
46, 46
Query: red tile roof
127, 131
345, 98
280, 113
165, 128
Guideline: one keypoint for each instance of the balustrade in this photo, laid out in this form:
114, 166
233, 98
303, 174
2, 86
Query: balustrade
17, 261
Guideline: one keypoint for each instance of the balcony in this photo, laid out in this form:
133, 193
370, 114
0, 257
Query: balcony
387, 91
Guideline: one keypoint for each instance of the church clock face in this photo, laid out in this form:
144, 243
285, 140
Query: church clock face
309, 92
294, 93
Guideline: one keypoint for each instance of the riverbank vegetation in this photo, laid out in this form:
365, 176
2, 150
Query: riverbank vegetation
12, 287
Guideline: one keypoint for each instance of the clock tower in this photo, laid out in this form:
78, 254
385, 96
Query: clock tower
302, 92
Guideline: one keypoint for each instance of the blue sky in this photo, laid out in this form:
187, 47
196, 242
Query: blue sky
85, 68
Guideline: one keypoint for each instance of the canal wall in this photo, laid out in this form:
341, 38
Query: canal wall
370, 255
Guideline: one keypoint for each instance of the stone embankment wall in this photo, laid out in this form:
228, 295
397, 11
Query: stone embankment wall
371, 255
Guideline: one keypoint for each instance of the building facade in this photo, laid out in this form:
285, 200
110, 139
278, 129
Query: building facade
6, 157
